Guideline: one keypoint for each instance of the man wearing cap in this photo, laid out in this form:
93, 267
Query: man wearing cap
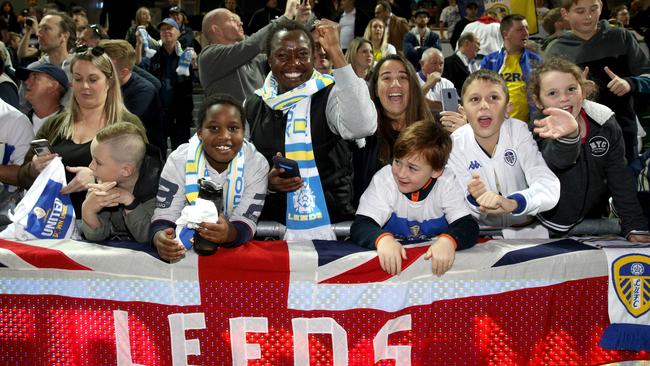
176, 89
420, 38
186, 38
233, 63
397, 26
45, 86
56, 37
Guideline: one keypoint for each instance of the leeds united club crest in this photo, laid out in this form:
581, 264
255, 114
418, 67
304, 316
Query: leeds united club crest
631, 277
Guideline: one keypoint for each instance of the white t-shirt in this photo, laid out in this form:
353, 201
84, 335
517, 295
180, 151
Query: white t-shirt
516, 167
346, 26
15, 134
38, 122
450, 16
408, 220
488, 34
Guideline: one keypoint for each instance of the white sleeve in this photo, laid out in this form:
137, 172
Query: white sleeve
350, 112
543, 191
171, 189
390, 50
20, 136
452, 197
376, 200
458, 167
256, 172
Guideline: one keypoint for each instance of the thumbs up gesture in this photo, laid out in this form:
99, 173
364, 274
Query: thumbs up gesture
617, 85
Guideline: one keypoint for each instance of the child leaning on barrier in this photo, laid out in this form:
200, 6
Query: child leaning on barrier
496, 161
586, 151
415, 199
121, 203
219, 152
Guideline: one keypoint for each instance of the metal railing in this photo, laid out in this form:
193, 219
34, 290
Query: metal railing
275, 230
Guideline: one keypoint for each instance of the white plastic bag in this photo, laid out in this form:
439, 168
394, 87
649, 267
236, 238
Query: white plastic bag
44, 213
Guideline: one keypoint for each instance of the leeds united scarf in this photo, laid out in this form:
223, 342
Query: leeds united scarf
195, 168
629, 299
306, 216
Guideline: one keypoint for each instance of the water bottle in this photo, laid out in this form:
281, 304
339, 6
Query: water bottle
210, 191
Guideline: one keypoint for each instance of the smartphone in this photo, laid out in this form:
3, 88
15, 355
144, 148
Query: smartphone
450, 100
41, 147
290, 167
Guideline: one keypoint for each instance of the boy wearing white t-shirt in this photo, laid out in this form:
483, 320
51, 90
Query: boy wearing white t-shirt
415, 199
496, 160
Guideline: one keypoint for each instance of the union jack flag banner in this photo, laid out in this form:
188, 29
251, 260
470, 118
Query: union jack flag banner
307, 303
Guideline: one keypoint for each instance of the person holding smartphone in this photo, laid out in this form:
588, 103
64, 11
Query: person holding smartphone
96, 102
295, 99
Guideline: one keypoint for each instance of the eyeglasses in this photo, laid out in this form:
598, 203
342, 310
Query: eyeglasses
95, 51
95, 28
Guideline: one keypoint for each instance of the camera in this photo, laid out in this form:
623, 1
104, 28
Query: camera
29, 22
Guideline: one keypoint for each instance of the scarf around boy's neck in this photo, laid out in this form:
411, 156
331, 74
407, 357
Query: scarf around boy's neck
306, 216
195, 168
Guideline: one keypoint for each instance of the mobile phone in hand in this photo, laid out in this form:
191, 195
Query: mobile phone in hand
449, 100
290, 167
41, 147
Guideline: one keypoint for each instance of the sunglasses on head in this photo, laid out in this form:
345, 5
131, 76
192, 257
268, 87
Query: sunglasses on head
95, 51
95, 28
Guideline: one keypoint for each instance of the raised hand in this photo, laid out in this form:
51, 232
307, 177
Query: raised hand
617, 85
451, 120
559, 123
83, 177
476, 187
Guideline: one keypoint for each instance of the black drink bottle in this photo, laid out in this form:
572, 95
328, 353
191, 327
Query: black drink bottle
211, 191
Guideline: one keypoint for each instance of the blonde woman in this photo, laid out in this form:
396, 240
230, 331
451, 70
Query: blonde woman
142, 17
360, 56
377, 33
96, 102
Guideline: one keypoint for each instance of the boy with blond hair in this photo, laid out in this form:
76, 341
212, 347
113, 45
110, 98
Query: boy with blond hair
415, 199
121, 203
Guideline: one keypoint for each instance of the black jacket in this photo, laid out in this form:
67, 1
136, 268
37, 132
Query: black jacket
456, 71
331, 153
590, 173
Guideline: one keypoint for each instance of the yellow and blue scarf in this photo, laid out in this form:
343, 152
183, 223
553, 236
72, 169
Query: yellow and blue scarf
195, 168
306, 216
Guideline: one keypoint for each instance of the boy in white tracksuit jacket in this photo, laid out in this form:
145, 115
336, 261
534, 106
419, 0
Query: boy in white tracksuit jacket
496, 160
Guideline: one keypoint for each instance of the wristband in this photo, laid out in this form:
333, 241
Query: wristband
453, 240
132, 205
380, 237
